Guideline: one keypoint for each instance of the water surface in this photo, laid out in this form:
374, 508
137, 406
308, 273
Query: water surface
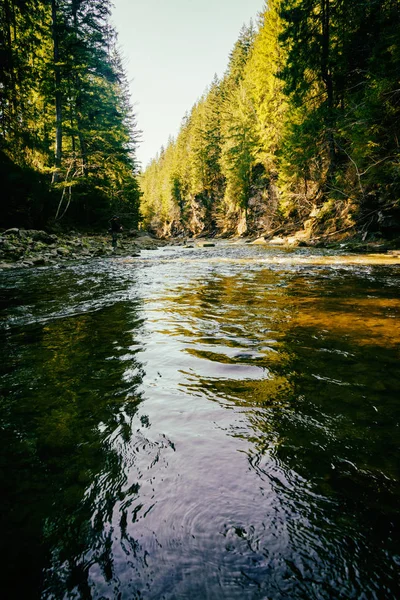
201, 423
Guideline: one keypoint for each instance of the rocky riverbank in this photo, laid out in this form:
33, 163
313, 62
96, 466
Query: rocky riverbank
31, 247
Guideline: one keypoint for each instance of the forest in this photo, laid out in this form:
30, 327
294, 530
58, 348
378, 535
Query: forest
67, 131
301, 132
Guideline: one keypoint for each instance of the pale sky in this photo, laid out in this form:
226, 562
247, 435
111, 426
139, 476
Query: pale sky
172, 50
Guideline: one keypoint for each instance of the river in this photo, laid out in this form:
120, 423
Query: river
201, 423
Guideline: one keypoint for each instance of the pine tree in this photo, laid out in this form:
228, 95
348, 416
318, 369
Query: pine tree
68, 135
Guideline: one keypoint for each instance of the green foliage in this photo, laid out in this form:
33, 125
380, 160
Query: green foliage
307, 114
61, 59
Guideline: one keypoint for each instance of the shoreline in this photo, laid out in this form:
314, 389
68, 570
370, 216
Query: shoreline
26, 248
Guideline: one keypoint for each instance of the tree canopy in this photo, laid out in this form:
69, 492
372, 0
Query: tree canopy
67, 131
305, 120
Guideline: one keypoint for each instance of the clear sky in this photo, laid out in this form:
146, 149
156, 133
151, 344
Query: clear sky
172, 50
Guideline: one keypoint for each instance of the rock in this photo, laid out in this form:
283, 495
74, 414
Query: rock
12, 231
132, 233
38, 260
145, 234
45, 238
259, 241
38, 235
146, 242
208, 245
12, 251
295, 240
277, 241
62, 251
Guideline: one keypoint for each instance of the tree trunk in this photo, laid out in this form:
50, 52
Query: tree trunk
77, 83
8, 25
58, 97
327, 78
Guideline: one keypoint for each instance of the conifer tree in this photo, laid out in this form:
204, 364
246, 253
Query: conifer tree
67, 131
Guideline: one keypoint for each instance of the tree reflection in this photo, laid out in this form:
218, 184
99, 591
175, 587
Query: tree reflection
66, 408
321, 400
309, 363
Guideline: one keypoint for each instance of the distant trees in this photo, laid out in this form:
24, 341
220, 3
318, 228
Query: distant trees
68, 135
306, 118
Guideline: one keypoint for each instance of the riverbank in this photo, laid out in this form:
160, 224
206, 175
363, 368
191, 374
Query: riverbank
30, 247
352, 244
24, 248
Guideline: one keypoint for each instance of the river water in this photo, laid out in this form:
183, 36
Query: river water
201, 423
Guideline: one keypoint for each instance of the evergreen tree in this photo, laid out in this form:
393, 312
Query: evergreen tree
306, 118
67, 131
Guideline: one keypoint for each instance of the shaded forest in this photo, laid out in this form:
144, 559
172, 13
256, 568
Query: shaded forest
67, 131
302, 131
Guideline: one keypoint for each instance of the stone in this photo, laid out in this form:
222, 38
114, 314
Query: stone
12, 231
259, 241
277, 241
45, 238
208, 245
37, 235
39, 260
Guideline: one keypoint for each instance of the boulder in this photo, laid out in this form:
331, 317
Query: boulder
278, 241
37, 235
146, 242
259, 241
38, 260
12, 231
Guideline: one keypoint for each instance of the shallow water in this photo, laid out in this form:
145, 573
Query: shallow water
201, 423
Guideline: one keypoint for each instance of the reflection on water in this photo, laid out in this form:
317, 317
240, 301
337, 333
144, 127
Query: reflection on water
206, 423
